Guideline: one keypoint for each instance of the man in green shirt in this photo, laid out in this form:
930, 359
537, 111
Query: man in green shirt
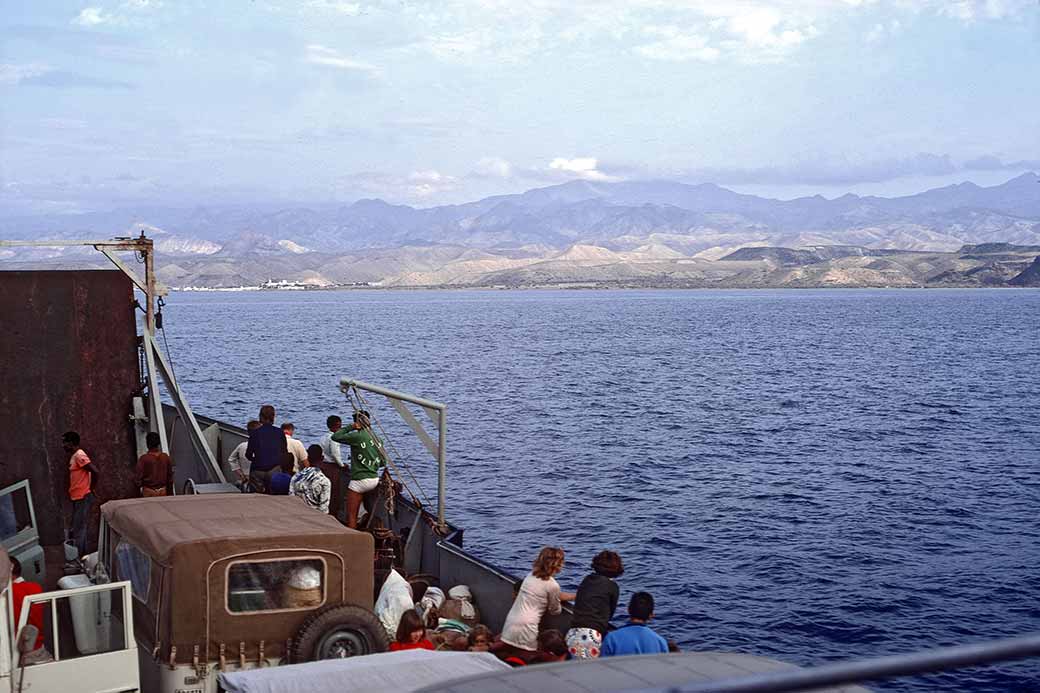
366, 458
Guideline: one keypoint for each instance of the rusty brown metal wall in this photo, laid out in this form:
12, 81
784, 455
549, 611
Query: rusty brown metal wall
68, 361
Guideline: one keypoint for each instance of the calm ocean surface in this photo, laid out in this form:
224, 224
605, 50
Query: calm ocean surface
809, 475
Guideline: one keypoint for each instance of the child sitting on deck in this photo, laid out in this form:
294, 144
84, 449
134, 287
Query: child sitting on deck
551, 648
411, 633
480, 638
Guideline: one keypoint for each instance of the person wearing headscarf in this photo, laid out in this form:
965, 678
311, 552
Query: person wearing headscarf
310, 483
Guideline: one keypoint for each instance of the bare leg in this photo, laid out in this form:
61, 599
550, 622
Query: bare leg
353, 503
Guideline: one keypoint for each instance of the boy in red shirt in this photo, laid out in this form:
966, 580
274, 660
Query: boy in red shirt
20, 589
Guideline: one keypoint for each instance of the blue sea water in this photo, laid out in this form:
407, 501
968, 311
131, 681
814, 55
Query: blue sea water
808, 475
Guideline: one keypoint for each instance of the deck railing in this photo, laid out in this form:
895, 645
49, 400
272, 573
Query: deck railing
437, 412
867, 670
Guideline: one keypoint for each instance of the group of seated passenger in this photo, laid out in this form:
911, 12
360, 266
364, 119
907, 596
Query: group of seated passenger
439, 623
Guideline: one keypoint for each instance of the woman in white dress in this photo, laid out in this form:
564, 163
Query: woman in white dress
539, 594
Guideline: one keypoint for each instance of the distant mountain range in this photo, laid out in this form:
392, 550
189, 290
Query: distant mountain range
626, 233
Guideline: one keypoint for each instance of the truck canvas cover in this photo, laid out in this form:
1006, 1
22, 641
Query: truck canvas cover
192, 542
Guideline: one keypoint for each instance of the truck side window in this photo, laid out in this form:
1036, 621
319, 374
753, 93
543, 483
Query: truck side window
132, 564
280, 584
14, 513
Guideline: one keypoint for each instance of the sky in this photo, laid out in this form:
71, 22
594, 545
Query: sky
116, 103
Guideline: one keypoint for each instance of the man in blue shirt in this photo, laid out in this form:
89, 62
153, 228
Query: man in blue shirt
265, 450
635, 637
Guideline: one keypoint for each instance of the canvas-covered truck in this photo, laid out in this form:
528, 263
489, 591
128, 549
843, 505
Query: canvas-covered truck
226, 582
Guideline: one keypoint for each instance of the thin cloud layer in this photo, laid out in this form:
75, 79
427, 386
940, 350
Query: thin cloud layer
92, 16
833, 171
583, 168
747, 31
828, 172
995, 163
494, 167
42, 75
316, 54
16, 74
116, 14
424, 184
436, 100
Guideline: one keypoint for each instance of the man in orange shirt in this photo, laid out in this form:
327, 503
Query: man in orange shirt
20, 589
83, 476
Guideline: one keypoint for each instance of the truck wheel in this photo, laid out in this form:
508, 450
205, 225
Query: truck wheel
337, 632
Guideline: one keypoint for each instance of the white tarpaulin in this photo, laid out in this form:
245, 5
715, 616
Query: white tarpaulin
397, 671
395, 598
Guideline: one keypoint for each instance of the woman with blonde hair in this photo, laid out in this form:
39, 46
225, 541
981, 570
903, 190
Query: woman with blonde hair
539, 594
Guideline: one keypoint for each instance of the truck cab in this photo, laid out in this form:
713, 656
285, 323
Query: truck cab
76, 639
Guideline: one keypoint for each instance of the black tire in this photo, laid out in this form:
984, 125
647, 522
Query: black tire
337, 632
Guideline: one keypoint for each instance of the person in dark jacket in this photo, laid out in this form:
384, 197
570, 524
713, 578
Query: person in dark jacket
594, 606
265, 450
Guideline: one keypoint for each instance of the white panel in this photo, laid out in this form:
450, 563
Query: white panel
112, 671
5, 637
212, 435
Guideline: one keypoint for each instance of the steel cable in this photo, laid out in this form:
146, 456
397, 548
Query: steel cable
362, 403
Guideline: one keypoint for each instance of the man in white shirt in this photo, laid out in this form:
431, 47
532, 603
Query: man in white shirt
237, 460
332, 455
330, 448
299, 452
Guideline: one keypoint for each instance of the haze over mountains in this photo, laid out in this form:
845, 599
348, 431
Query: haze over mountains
625, 233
